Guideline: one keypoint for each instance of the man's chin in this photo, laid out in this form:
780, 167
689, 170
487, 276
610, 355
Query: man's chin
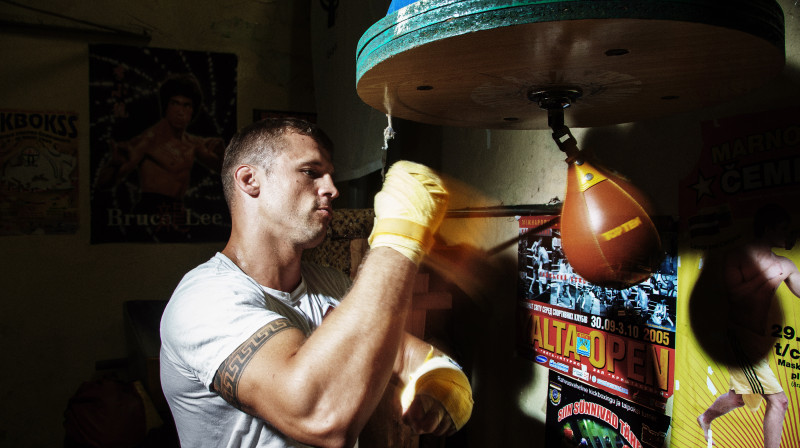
318, 237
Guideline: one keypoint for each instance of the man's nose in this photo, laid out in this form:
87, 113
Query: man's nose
328, 187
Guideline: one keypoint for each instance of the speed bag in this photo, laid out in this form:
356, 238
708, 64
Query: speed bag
607, 235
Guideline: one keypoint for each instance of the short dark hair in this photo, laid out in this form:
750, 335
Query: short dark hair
769, 215
258, 143
184, 84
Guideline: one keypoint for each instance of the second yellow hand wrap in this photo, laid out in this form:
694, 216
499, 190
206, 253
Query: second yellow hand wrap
441, 378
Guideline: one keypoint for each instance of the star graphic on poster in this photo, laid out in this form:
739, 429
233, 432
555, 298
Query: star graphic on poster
702, 186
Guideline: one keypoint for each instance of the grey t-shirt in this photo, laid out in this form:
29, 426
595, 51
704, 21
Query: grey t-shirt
215, 308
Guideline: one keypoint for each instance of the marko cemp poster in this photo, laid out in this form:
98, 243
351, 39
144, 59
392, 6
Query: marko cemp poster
739, 302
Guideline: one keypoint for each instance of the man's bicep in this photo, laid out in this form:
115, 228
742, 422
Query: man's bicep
228, 379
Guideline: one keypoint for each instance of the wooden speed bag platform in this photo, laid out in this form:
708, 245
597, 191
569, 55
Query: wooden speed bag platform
473, 63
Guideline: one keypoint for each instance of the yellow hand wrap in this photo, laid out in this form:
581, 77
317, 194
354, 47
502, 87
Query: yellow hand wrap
409, 209
442, 379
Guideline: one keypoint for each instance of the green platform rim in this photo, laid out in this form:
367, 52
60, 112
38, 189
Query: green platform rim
427, 21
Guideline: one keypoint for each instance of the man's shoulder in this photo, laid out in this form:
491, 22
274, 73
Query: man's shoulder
218, 263
218, 270
786, 262
211, 293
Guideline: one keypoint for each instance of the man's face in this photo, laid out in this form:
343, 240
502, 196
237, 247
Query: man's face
179, 111
299, 192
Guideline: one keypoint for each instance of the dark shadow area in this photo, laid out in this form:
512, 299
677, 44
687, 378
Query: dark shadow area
421, 143
650, 154
483, 329
416, 142
730, 305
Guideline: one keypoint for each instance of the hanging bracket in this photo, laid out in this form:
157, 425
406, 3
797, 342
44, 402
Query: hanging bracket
554, 100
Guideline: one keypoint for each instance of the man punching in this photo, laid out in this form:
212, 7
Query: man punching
261, 349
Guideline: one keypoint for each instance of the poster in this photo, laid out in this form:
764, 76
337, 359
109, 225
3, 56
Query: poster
620, 341
38, 172
579, 415
160, 120
739, 306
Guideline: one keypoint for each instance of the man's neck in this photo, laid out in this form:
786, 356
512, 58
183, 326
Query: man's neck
267, 263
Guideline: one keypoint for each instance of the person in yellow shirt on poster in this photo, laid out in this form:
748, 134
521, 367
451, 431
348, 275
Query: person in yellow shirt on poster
751, 276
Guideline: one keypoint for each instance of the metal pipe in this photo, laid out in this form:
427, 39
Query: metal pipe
505, 210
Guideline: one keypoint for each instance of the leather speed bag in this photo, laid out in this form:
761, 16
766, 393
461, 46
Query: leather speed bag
607, 235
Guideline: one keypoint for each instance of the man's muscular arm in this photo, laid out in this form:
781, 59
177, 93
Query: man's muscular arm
226, 381
424, 416
322, 390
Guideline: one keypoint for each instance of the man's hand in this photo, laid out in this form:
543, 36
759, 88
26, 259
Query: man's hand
409, 209
426, 415
437, 397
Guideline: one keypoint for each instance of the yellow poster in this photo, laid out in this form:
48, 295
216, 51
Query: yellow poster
738, 338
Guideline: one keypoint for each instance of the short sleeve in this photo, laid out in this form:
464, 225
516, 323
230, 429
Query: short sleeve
212, 311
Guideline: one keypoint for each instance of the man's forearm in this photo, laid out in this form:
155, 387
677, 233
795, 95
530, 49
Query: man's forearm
413, 352
357, 345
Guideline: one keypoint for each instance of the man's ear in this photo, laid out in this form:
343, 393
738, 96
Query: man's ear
245, 180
